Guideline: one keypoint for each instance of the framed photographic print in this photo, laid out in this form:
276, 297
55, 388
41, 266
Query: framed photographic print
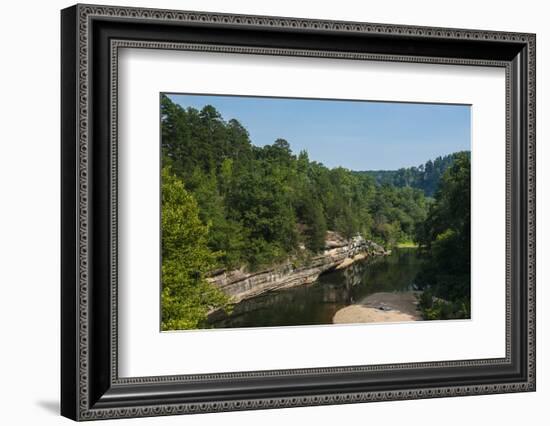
263, 212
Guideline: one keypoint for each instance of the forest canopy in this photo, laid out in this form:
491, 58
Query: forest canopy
444, 239
425, 176
262, 203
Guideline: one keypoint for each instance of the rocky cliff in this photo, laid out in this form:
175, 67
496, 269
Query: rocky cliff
339, 253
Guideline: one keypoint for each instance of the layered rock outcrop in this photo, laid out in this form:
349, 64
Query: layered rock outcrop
339, 253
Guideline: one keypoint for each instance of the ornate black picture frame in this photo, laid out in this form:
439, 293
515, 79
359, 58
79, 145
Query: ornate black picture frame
91, 36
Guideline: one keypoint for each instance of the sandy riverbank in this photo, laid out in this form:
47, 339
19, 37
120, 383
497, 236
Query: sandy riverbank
380, 307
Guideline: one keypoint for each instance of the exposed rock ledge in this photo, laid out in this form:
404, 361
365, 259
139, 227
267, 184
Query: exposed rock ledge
339, 253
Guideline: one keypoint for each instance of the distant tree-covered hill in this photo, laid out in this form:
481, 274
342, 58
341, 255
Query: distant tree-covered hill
425, 177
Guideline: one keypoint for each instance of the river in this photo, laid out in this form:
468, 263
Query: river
317, 303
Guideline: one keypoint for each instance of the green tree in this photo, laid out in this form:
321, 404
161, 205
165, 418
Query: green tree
445, 239
186, 295
260, 200
310, 214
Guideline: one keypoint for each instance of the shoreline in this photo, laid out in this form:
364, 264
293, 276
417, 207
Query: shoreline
382, 307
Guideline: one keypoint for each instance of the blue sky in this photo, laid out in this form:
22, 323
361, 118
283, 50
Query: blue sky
356, 135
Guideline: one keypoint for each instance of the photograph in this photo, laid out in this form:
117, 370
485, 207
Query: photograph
265, 209
304, 212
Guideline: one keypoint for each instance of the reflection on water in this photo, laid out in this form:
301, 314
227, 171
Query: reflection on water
318, 302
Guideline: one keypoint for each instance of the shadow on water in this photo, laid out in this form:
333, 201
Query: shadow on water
318, 302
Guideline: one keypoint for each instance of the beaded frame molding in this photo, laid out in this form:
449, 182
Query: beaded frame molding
91, 38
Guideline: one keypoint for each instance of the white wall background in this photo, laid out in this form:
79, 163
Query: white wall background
29, 212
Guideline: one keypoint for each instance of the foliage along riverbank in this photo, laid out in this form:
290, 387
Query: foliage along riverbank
444, 239
227, 204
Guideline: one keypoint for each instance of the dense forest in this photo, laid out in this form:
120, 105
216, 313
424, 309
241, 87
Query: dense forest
444, 239
228, 204
425, 177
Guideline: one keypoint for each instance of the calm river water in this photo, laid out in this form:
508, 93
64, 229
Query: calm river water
318, 302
